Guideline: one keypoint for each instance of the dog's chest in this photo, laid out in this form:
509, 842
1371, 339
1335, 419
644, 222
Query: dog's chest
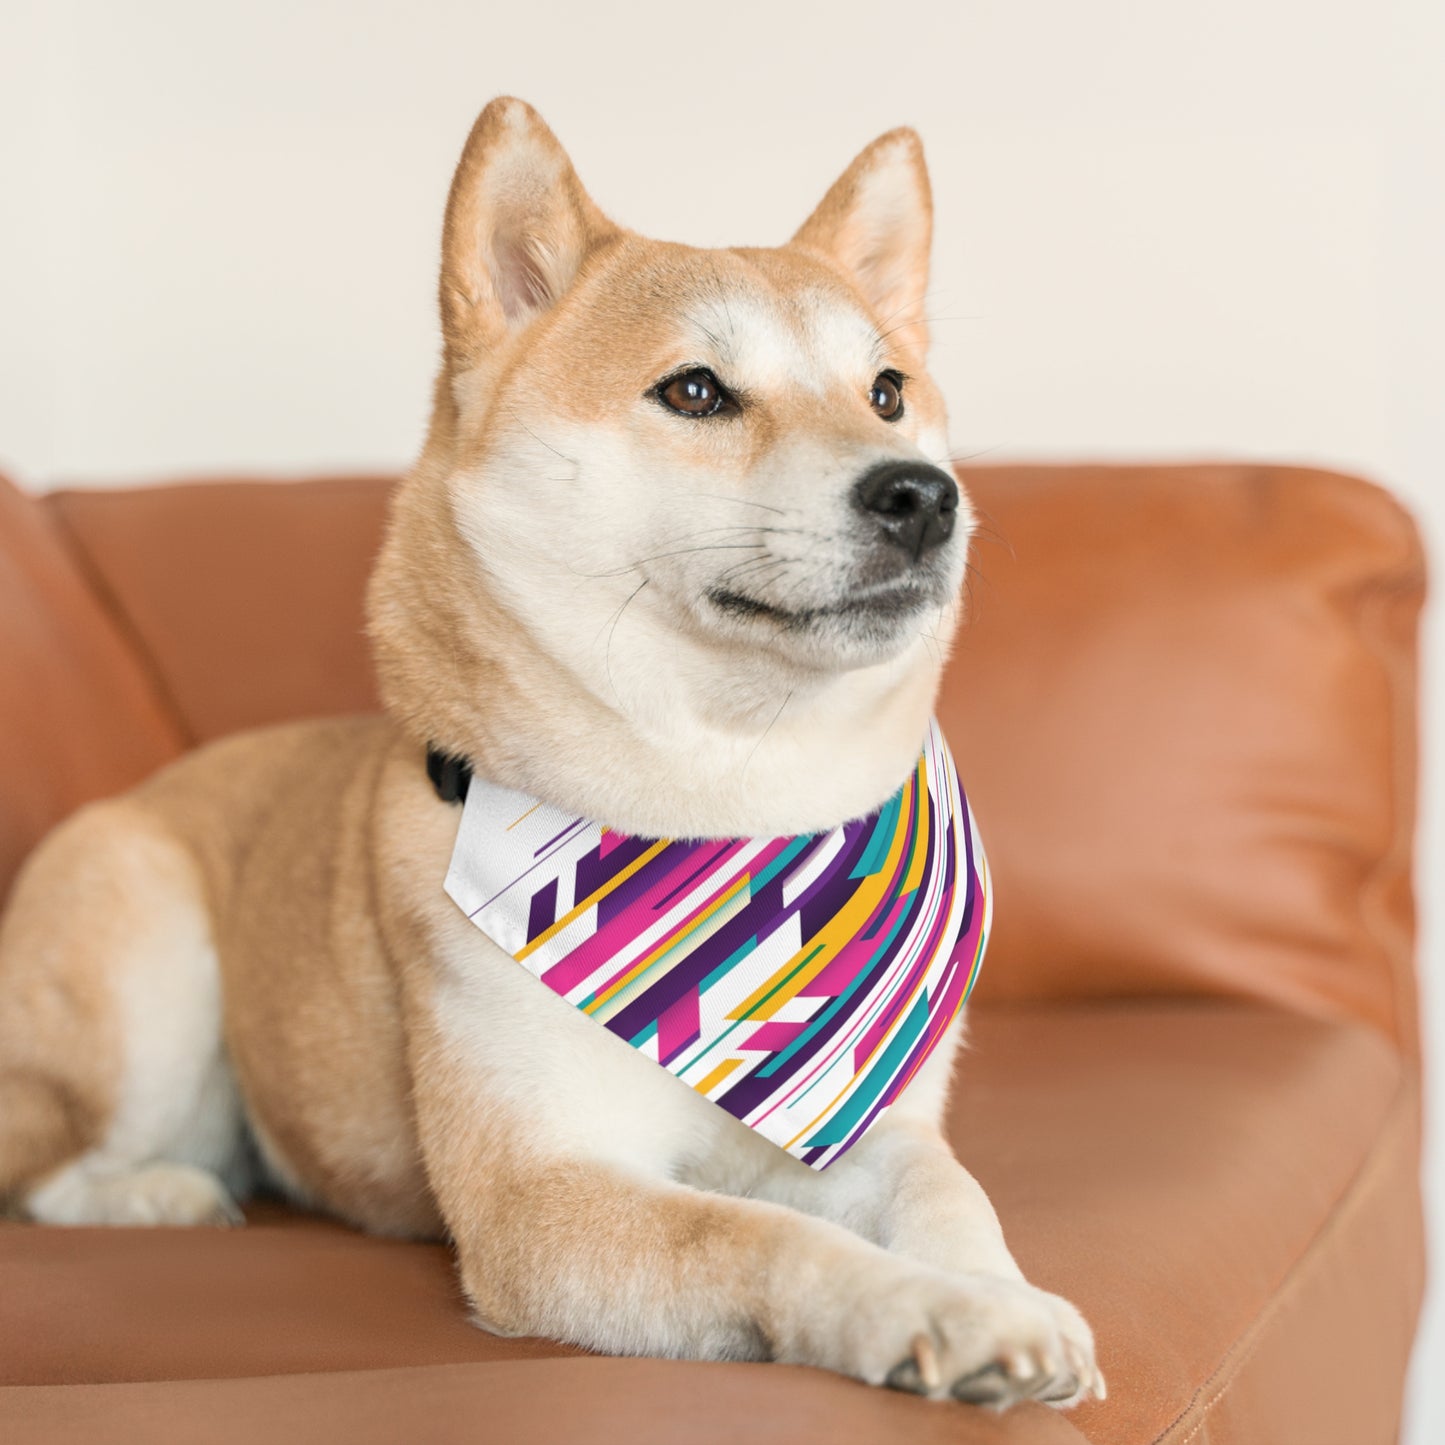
575, 1089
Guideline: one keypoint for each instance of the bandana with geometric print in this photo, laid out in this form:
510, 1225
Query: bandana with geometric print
798, 983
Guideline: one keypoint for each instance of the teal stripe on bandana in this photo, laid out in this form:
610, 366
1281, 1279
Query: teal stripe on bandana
883, 831
847, 1118
779, 863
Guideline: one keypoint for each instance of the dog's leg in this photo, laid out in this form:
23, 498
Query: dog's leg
116, 1105
901, 1188
900, 1185
611, 1254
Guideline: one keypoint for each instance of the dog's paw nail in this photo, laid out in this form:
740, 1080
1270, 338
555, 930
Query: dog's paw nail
1020, 1364
906, 1377
227, 1215
926, 1357
1088, 1377
1064, 1388
988, 1386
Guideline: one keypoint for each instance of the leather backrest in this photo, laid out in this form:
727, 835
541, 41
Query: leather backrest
79, 716
1184, 711
246, 595
1183, 706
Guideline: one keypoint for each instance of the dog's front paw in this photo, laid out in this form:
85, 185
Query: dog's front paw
979, 1338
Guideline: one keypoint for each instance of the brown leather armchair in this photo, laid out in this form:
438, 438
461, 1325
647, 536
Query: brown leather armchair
1184, 708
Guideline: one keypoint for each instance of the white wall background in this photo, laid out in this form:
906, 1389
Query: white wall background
1164, 228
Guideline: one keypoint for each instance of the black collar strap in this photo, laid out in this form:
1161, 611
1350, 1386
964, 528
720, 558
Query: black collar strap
450, 776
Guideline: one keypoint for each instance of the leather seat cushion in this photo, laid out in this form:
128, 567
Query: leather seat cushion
1225, 1190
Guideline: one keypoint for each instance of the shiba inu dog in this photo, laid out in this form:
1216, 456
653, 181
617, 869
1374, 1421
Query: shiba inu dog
679, 555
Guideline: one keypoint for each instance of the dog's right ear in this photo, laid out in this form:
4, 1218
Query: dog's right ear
518, 228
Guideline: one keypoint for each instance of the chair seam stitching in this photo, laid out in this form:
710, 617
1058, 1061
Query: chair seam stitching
125, 624
1239, 1354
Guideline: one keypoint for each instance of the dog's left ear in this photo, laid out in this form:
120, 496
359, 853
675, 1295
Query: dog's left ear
877, 223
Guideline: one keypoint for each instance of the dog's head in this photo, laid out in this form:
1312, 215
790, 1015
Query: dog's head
658, 462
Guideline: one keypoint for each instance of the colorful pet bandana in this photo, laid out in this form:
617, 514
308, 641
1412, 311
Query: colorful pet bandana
799, 983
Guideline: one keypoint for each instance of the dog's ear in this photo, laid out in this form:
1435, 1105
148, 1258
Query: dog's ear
518, 228
877, 223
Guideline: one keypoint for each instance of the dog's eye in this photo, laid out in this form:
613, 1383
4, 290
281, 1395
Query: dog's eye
886, 397
694, 393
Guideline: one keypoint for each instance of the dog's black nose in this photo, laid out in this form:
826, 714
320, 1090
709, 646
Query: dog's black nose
913, 503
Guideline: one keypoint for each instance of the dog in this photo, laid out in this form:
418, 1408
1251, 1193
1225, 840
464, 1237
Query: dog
677, 555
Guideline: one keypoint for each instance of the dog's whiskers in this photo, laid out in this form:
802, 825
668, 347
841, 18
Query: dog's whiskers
748, 527
571, 461
607, 652
808, 575
743, 502
679, 552
763, 737
728, 574
932, 319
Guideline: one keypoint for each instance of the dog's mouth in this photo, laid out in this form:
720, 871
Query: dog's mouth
876, 605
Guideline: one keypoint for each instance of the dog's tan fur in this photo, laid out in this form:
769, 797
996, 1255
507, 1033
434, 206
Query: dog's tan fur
260, 932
